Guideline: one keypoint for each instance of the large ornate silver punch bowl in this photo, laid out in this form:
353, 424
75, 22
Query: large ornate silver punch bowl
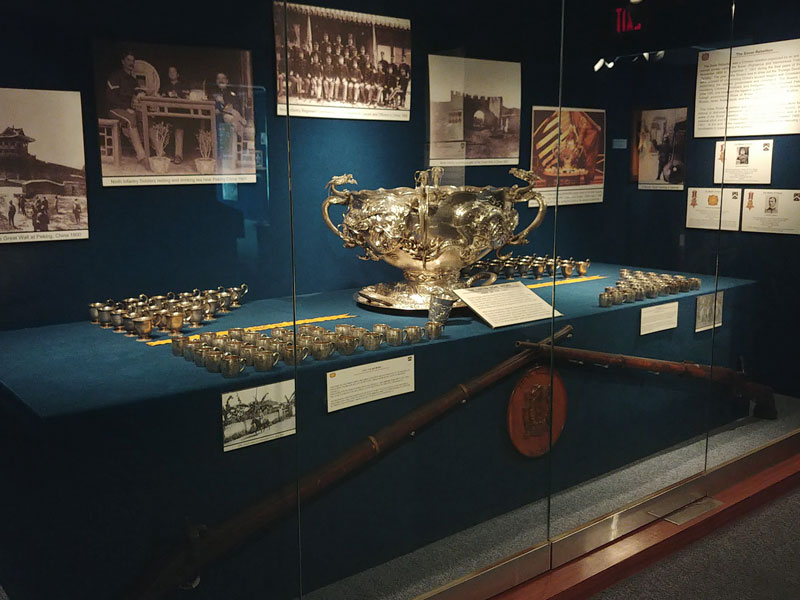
430, 231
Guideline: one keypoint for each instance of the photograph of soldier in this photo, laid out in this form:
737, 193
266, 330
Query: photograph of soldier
257, 415
662, 149
341, 64
42, 166
474, 109
182, 90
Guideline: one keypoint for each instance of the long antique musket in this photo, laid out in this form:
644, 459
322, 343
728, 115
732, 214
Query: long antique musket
209, 544
739, 384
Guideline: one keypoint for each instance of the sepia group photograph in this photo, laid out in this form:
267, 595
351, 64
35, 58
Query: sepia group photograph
474, 111
42, 166
258, 415
341, 64
174, 114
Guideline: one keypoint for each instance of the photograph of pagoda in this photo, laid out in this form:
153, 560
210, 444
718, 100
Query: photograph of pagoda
42, 167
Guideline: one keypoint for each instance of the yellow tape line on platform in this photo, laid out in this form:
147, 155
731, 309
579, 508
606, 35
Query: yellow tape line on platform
565, 281
270, 326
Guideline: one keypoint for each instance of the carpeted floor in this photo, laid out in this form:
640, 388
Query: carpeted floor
754, 558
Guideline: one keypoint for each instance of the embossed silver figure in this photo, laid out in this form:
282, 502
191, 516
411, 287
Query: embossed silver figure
431, 232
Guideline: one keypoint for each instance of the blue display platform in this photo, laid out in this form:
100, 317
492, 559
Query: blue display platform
124, 441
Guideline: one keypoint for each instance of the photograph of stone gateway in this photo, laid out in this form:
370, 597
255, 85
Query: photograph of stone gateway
42, 172
474, 111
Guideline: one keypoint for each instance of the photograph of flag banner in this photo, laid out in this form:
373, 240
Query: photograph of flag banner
570, 166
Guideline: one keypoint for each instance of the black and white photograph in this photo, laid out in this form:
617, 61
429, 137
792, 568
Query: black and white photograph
342, 65
662, 149
174, 114
771, 205
708, 313
258, 415
568, 154
42, 167
474, 111
743, 155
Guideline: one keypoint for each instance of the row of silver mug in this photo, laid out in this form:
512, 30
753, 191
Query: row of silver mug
231, 352
531, 266
633, 286
142, 315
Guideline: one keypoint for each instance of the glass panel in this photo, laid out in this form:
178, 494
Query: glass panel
761, 133
133, 469
630, 158
427, 488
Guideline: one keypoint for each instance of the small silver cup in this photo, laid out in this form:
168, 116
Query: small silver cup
104, 316
232, 366
346, 344
322, 350
414, 334
251, 337
189, 346
343, 328
381, 328
213, 360
372, 340
117, 320
434, 329
264, 360
293, 354
143, 326
236, 333
173, 321
93, 314
248, 352
395, 336
177, 345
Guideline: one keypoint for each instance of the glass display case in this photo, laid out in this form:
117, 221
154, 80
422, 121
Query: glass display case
379, 300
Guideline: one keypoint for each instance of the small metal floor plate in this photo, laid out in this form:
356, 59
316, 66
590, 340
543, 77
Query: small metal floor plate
694, 510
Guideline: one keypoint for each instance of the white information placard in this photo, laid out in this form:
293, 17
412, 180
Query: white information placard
743, 161
659, 318
506, 304
703, 206
705, 310
764, 97
771, 211
370, 382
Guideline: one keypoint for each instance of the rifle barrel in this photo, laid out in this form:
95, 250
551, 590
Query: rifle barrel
216, 541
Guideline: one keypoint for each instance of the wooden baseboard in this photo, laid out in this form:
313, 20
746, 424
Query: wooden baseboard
622, 558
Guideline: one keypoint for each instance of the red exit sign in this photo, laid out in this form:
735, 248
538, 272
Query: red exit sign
625, 22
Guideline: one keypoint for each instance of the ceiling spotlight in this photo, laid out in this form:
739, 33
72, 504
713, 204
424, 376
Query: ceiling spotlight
659, 55
599, 65
610, 65
646, 56
635, 1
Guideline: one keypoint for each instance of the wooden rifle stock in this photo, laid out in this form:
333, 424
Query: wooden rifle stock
210, 544
739, 384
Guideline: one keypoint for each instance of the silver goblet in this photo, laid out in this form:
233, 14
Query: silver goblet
143, 326
195, 316
173, 321
117, 321
94, 317
104, 316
